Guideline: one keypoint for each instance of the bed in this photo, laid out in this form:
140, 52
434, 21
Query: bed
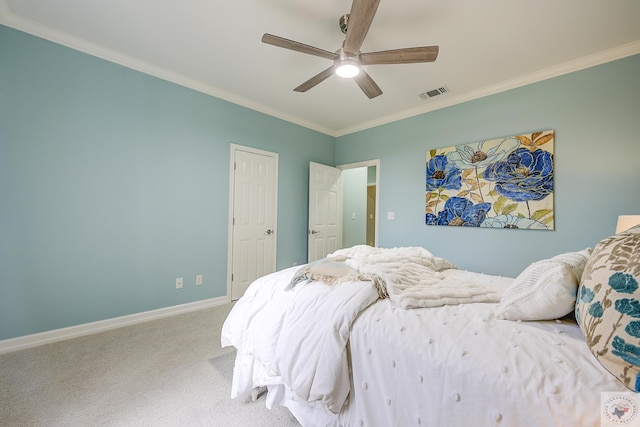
356, 345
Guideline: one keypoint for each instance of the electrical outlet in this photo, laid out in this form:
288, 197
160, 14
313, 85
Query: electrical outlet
199, 280
179, 283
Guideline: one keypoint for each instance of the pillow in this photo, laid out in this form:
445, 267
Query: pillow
608, 306
575, 260
544, 290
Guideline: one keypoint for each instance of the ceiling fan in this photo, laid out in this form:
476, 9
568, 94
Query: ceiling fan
348, 60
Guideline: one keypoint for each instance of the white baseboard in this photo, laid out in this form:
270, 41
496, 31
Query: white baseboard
28, 341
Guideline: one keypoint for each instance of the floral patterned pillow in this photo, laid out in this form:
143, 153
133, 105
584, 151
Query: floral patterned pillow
608, 305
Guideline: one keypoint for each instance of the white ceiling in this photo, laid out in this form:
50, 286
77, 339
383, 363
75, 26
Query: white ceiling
214, 46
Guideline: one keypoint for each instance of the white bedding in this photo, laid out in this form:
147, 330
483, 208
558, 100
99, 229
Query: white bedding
298, 336
455, 365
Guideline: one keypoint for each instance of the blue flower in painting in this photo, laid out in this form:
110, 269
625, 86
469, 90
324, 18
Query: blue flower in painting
525, 175
596, 310
460, 211
623, 282
510, 221
475, 155
628, 306
442, 175
633, 329
628, 352
585, 294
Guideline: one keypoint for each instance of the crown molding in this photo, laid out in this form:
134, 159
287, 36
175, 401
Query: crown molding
45, 32
582, 63
14, 21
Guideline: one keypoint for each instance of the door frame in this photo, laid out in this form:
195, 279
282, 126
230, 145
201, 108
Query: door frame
233, 148
366, 164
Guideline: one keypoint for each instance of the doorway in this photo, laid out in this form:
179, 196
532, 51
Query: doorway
360, 203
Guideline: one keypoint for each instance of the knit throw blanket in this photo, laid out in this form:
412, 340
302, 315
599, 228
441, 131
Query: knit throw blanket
333, 271
409, 276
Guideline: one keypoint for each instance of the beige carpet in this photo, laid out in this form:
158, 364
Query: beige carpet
167, 372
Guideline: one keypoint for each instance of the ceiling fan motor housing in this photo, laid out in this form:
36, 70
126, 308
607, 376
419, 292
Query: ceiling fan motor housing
345, 56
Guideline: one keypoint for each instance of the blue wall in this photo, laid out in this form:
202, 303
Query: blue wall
113, 183
596, 116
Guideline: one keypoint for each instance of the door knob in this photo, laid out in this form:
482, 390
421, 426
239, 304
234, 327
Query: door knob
270, 231
313, 232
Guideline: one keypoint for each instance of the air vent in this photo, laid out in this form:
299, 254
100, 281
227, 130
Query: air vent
434, 92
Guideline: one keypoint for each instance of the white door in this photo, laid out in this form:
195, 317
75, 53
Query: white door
253, 214
325, 210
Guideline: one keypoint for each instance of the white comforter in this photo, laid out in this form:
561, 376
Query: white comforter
297, 337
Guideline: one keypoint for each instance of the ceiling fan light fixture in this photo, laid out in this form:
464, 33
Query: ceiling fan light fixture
348, 69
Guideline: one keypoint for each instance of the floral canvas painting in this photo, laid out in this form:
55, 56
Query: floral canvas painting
498, 183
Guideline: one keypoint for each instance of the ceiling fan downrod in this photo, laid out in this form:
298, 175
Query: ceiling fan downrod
344, 23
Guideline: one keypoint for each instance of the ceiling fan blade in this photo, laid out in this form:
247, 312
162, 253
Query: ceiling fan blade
368, 86
401, 56
318, 78
297, 46
360, 18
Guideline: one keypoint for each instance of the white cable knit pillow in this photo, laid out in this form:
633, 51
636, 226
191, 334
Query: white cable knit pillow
544, 290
